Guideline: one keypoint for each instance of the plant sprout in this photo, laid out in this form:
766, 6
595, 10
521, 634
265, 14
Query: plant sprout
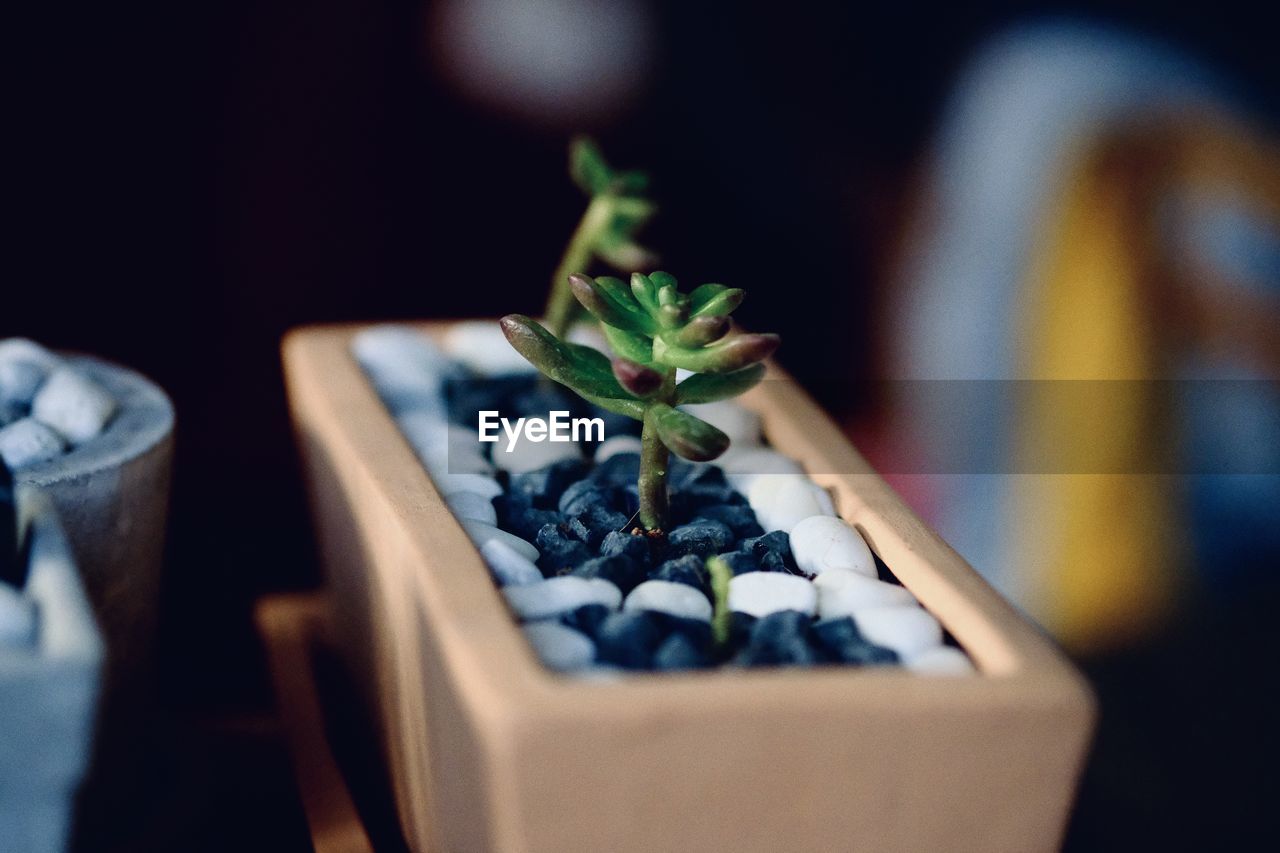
722, 618
616, 212
654, 329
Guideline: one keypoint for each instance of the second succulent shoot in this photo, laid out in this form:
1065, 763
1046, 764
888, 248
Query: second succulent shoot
617, 210
653, 329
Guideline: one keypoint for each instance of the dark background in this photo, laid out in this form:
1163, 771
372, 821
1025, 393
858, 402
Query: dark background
189, 180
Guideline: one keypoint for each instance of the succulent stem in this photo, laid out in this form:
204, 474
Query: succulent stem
654, 461
652, 484
562, 309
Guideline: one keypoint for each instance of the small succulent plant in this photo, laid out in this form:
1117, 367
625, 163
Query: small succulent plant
618, 209
654, 329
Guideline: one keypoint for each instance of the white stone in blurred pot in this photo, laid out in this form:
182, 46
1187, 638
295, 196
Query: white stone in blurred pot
73, 404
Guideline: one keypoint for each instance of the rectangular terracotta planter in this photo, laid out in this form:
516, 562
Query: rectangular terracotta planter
490, 751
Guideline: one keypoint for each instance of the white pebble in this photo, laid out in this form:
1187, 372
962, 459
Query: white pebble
560, 595
444, 464
402, 402
472, 506
13, 350
479, 484
617, 444
465, 462
443, 448
560, 647
432, 434
762, 593
481, 346
509, 566
481, 533
742, 465
733, 419
842, 592
404, 364
781, 501
406, 368
908, 630
677, 599
17, 618
822, 542
27, 441
425, 430
24, 365
526, 455
74, 405
941, 660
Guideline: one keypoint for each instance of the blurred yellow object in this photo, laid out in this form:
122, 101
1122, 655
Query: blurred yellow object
1101, 553
1097, 245
1098, 548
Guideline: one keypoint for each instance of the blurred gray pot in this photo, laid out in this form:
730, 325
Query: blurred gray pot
112, 495
48, 692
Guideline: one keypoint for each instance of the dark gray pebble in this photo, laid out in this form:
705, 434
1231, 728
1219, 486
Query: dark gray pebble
526, 523
841, 638
595, 523
678, 652
783, 638
544, 486
586, 618
689, 569
624, 572
772, 551
741, 563
559, 552
625, 543
628, 639
702, 536
620, 469
739, 518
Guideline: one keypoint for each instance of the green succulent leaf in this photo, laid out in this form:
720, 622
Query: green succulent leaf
698, 332
714, 300
630, 183
628, 406
606, 298
645, 293
628, 214
732, 353
662, 279
687, 436
588, 168
626, 255
582, 368
709, 387
616, 291
673, 315
629, 344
